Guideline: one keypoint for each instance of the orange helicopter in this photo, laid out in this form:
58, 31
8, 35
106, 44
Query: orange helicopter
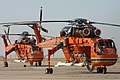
25, 48
80, 42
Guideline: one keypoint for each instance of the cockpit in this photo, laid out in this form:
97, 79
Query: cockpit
66, 31
26, 38
102, 44
106, 44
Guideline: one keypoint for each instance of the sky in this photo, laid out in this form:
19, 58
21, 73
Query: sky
93, 10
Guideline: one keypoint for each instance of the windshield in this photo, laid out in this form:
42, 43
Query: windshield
102, 44
111, 44
66, 28
106, 44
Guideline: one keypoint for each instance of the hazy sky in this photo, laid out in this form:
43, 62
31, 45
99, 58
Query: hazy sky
94, 10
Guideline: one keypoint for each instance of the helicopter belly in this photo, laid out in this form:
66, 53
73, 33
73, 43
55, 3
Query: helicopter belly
36, 57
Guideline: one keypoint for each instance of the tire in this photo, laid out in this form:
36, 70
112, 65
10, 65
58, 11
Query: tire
51, 70
104, 70
25, 66
98, 70
5, 64
90, 67
101, 70
40, 63
47, 71
36, 64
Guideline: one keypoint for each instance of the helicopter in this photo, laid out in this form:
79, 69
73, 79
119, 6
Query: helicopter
25, 48
80, 42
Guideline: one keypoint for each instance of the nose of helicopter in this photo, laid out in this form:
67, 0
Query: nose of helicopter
105, 60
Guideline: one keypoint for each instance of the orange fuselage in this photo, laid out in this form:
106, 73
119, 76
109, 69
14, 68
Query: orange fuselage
73, 47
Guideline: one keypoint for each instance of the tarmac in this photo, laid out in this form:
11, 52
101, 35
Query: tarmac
16, 71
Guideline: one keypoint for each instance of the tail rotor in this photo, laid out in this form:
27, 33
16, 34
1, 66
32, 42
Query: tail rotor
7, 33
40, 25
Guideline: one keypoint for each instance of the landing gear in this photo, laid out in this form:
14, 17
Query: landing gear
5, 64
36, 64
5, 60
90, 67
25, 65
102, 70
31, 63
48, 71
39, 63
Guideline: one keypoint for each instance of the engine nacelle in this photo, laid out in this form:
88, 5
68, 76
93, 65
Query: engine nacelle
86, 32
97, 32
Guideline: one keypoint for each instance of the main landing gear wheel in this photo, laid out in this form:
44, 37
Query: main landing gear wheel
25, 65
90, 67
40, 63
102, 70
5, 64
36, 64
48, 71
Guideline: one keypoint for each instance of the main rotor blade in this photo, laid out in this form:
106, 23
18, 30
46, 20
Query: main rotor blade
34, 22
12, 34
17, 34
49, 21
105, 24
19, 23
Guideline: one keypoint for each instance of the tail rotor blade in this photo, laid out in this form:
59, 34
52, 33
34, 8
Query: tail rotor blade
8, 30
45, 30
43, 38
40, 26
40, 15
5, 32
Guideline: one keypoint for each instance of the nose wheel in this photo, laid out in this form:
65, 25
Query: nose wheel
5, 64
102, 70
48, 71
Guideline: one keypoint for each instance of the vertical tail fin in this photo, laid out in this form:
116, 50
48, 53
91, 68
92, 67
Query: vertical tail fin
5, 41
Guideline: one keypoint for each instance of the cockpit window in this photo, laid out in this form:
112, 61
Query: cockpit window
66, 28
111, 44
102, 44
66, 31
106, 44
